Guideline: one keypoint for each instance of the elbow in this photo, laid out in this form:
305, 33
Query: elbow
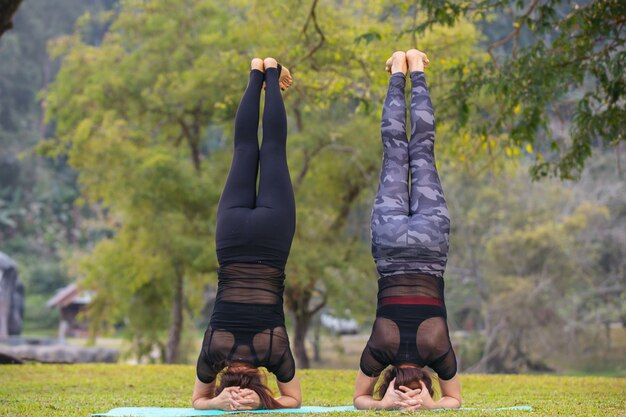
288, 402
457, 403
197, 404
357, 403
297, 400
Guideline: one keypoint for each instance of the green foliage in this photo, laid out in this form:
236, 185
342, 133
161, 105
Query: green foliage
555, 64
38, 219
79, 390
335, 150
134, 126
25, 67
41, 278
527, 265
144, 116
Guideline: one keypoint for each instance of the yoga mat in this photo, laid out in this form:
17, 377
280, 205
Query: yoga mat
190, 412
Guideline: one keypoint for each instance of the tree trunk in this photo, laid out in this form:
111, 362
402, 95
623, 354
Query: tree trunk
45, 76
298, 301
317, 354
303, 319
176, 326
7, 10
4, 306
194, 148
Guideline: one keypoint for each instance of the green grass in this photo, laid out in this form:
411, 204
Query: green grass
79, 390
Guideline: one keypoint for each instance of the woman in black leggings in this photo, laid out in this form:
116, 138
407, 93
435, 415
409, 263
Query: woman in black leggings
253, 238
410, 230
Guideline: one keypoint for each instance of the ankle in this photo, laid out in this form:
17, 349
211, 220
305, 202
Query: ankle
416, 66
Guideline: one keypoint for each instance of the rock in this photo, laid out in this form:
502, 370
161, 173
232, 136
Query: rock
9, 360
60, 353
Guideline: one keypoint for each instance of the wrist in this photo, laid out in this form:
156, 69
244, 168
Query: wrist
204, 404
210, 403
387, 403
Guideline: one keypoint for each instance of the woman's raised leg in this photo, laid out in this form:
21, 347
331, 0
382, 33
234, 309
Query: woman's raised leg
240, 188
275, 188
239, 196
430, 222
391, 205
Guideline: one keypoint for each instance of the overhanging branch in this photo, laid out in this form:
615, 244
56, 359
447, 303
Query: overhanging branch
7, 11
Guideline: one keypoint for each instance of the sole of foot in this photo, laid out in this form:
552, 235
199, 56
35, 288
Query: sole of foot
417, 60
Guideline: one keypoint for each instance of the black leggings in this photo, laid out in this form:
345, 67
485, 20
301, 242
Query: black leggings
258, 227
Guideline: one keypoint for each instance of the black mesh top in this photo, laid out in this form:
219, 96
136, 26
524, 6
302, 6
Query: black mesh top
410, 327
248, 323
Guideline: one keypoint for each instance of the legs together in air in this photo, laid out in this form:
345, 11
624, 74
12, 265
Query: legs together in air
258, 226
410, 224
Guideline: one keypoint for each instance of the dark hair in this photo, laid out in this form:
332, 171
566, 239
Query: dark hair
251, 378
406, 376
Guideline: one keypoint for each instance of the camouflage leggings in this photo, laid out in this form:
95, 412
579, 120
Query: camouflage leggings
409, 232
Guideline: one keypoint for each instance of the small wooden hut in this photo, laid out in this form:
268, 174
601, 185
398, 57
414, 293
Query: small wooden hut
71, 301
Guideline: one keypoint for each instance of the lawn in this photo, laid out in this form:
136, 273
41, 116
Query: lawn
79, 390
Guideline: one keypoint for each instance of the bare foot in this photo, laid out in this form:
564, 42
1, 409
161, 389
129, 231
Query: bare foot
285, 79
397, 63
257, 64
417, 60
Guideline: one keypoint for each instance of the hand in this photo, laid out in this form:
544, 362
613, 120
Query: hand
409, 399
391, 397
224, 401
246, 399
417, 399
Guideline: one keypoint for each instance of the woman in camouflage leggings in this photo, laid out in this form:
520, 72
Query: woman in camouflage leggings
410, 230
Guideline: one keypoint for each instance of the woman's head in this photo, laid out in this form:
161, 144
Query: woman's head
245, 376
409, 376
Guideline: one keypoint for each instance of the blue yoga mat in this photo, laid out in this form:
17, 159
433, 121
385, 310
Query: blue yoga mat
190, 412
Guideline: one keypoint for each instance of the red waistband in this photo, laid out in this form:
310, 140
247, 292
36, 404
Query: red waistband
431, 301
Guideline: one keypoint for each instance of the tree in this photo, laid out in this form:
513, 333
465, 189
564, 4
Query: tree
334, 143
560, 65
39, 223
133, 125
529, 264
127, 119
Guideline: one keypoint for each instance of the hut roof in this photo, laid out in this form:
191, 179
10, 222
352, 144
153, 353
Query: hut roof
70, 294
